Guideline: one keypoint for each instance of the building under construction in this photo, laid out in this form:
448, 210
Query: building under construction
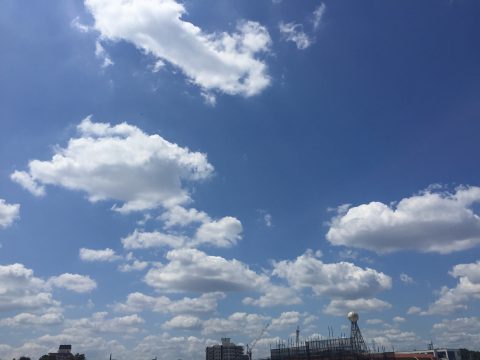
343, 348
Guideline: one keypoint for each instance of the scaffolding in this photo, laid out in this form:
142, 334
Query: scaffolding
331, 348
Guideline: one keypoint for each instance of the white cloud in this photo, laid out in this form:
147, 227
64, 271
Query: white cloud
341, 307
144, 240
399, 319
20, 289
214, 61
193, 270
53, 316
135, 265
183, 322
137, 302
394, 337
285, 320
414, 310
440, 222
121, 163
294, 32
170, 347
274, 295
451, 300
342, 280
180, 216
237, 323
8, 213
268, 220
209, 98
28, 182
91, 255
459, 333
76, 24
225, 232
318, 15
84, 337
101, 54
73, 282
374, 321
406, 279
100, 323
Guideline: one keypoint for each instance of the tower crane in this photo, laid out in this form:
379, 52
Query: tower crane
254, 342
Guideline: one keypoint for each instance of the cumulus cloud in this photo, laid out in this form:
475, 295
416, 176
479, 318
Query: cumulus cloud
451, 300
20, 289
394, 337
193, 270
225, 232
137, 302
135, 265
239, 322
219, 61
74, 282
341, 307
53, 316
28, 182
144, 240
180, 216
121, 163
100, 323
294, 32
342, 280
84, 337
91, 255
459, 332
171, 347
8, 213
183, 322
431, 221
274, 295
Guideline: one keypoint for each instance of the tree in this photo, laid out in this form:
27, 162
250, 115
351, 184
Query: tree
79, 356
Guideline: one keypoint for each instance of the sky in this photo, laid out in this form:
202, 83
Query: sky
176, 172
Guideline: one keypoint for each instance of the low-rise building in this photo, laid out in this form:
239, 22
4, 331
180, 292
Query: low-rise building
439, 354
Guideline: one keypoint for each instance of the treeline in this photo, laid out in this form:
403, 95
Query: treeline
470, 354
77, 356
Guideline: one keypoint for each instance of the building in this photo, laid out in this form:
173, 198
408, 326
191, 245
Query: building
226, 351
439, 354
64, 353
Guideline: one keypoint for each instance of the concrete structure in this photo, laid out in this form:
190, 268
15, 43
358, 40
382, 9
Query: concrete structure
226, 351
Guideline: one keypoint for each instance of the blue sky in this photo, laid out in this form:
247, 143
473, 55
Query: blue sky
172, 173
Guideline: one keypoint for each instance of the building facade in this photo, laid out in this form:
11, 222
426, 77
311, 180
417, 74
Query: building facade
225, 351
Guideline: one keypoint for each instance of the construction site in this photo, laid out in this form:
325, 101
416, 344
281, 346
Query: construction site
342, 348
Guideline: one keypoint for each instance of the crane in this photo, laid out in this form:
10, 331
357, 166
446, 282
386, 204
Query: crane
254, 342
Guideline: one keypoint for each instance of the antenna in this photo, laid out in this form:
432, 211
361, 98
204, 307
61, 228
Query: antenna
297, 335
